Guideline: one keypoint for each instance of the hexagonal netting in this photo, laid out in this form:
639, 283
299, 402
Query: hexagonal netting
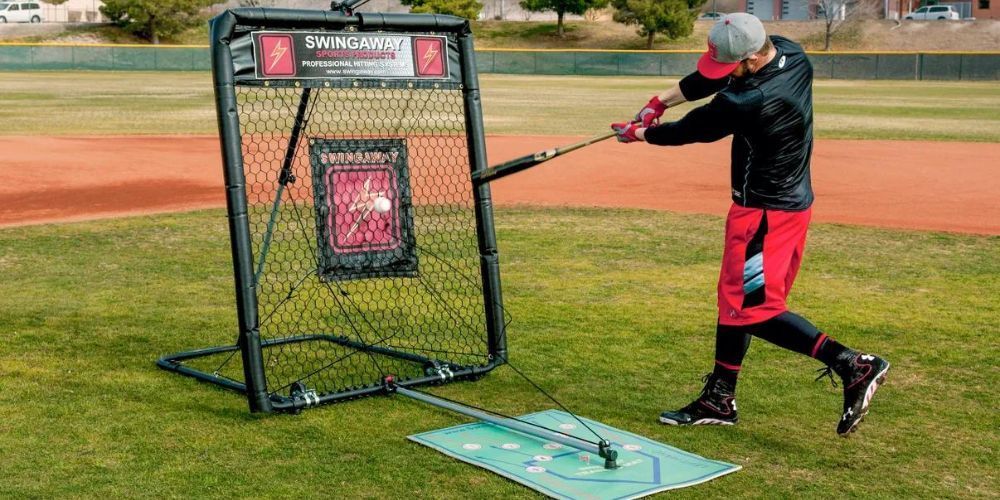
406, 278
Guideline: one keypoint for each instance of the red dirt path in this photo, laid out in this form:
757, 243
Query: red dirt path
914, 185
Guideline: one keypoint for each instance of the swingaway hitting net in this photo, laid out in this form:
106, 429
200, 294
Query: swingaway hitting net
361, 247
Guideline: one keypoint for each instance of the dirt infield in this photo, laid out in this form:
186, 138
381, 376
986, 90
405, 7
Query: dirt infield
912, 185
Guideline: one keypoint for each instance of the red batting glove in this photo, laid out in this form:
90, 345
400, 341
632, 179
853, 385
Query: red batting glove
626, 131
650, 115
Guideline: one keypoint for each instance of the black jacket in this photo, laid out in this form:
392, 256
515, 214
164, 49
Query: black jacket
770, 116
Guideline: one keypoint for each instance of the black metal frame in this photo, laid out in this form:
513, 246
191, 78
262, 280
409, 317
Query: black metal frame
249, 342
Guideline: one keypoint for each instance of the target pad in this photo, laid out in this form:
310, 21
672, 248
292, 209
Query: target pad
364, 208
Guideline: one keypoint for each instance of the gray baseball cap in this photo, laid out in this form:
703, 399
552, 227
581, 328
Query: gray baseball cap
734, 38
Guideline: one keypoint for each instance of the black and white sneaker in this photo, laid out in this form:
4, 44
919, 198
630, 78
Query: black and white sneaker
862, 375
715, 406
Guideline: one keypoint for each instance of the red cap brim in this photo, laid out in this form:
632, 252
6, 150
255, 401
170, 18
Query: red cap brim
714, 70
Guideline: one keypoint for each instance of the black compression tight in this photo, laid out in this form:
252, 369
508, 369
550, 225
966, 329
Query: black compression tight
787, 330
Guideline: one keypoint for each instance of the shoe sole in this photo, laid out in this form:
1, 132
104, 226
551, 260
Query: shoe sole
700, 421
869, 394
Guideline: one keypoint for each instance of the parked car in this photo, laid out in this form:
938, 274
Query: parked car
712, 16
20, 12
934, 12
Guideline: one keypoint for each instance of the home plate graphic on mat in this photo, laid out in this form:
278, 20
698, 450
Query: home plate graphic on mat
645, 466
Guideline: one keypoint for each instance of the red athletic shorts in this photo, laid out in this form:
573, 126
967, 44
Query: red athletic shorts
762, 256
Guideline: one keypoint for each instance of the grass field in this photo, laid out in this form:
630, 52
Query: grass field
613, 312
181, 103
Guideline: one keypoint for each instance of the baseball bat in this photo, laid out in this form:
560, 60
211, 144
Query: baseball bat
527, 161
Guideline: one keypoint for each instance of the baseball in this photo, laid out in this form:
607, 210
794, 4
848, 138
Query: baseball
382, 205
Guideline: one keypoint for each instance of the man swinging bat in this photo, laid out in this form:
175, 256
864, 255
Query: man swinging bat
763, 98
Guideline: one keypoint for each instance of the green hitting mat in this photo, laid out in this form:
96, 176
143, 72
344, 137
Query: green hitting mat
645, 466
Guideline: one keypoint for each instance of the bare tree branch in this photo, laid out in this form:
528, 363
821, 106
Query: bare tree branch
836, 13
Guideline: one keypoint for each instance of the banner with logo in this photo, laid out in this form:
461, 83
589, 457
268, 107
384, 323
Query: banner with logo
310, 55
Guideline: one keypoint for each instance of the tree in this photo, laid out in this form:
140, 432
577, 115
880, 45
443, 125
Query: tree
836, 13
592, 15
152, 19
55, 2
468, 9
673, 18
562, 7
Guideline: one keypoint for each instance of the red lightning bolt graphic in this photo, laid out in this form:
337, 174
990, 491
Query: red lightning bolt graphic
276, 55
428, 58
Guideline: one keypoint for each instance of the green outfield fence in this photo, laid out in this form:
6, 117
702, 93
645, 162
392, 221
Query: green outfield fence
27, 57
839, 65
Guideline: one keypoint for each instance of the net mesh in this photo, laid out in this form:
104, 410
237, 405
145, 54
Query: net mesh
353, 331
